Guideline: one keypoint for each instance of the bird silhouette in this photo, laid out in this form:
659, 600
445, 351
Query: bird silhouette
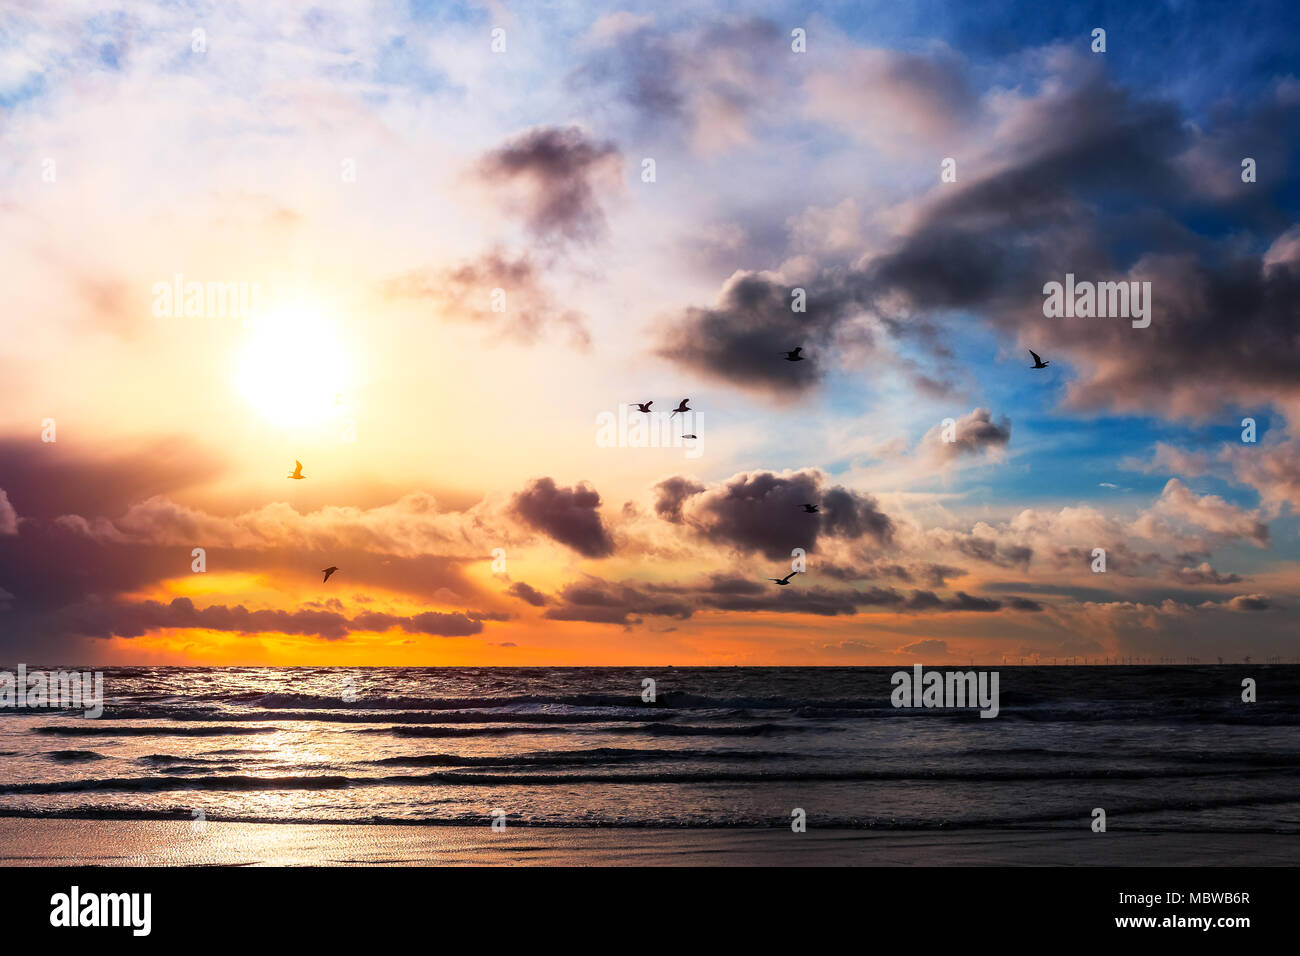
785, 580
643, 406
327, 572
297, 471
688, 436
682, 407
793, 355
1038, 363
811, 509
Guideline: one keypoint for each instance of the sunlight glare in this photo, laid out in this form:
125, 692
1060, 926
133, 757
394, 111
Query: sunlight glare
293, 368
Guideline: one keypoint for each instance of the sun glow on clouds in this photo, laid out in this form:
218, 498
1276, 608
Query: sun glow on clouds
294, 369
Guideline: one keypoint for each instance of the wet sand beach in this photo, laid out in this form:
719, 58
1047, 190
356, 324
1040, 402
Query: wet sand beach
45, 842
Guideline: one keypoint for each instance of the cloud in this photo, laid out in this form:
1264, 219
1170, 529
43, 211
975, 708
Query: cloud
1250, 602
602, 602
1072, 178
556, 174
761, 512
1273, 470
972, 544
527, 594
740, 338
8, 517
930, 646
671, 493
569, 515
134, 619
973, 434
466, 291
1203, 573
707, 83
896, 101
1210, 512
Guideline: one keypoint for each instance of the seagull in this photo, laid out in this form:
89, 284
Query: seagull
785, 580
793, 355
811, 509
643, 406
297, 472
1038, 363
327, 572
682, 407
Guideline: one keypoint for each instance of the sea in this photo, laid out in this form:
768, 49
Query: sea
1158, 748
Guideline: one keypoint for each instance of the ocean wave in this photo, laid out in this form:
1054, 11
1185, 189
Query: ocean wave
246, 782
72, 756
1014, 823
653, 730
362, 716
595, 755
92, 729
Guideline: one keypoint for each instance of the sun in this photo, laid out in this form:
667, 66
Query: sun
294, 369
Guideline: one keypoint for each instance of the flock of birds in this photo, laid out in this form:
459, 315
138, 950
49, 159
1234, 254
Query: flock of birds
683, 406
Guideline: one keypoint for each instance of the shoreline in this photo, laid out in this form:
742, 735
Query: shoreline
30, 841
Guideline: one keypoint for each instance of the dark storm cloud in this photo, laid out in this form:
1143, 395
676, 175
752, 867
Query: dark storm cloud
761, 511
45, 480
558, 171
670, 494
569, 515
1252, 358
847, 514
1087, 178
61, 569
527, 594
740, 338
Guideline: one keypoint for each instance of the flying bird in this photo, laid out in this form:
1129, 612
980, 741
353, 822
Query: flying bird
1038, 363
682, 407
688, 436
327, 572
811, 509
793, 355
785, 580
643, 406
297, 471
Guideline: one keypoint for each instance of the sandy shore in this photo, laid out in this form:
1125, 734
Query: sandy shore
29, 842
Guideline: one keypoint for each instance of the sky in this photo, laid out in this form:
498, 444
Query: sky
437, 253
